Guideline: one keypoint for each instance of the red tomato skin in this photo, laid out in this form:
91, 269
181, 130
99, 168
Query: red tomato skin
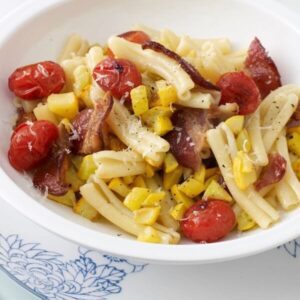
208, 221
37, 81
31, 143
118, 76
237, 87
136, 36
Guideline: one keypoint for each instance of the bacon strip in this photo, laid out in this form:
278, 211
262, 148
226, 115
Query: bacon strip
88, 125
262, 68
273, 172
50, 177
187, 67
188, 136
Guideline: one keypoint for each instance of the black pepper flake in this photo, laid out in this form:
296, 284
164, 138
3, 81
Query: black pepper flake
223, 166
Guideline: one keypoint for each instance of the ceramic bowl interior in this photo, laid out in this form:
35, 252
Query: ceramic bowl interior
37, 33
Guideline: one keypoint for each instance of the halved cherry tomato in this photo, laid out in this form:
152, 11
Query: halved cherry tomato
135, 36
237, 87
31, 143
208, 221
37, 81
118, 76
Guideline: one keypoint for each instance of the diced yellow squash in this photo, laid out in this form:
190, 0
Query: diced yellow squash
136, 197
172, 178
154, 199
84, 209
244, 221
150, 171
87, 167
180, 197
241, 164
76, 161
42, 112
82, 79
209, 180
128, 179
67, 124
293, 141
178, 211
200, 174
151, 115
115, 144
139, 100
162, 125
118, 186
67, 199
216, 191
64, 105
211, 172
191, 187
146, 215
166, 93
293, 129
235, 124
139, 181
73, 179
149, 235
296, 167
170, 163
243, 141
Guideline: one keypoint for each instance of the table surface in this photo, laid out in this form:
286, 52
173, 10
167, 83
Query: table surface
9, 290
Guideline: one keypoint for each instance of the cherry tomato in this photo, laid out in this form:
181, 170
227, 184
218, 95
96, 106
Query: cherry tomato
208, 221
119, 76
37, 81
237, 87
31, 143
138, 37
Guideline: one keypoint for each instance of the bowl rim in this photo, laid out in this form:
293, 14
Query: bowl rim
154, 253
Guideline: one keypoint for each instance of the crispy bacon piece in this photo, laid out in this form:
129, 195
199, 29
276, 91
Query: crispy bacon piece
188, 136
262, 68
87, 136
237, 87
273, 172
24, 117
51, 175
187, 67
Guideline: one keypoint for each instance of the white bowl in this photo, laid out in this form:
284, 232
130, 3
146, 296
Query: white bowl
36, 32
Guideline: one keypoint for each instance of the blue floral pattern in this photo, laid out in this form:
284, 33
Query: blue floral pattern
292, 248
91, 276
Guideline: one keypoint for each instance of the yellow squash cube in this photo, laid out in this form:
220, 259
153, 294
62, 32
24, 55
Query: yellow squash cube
170, 163
84, 209
151, 115
192, 187
200, 174
68, 199
244, 222
42, 112
139, 100
150, 171
244, 175
87, 167
172, 178
162, 125
180, 197
73, 179
118, 186
64, 105
128, 179
154, 199
146, 215
149, 235
136, 197
293, 141
293, 129
178, 211
296, 167
166, 93
216, 191
211, 172
243, 141
139, 181
235, 124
